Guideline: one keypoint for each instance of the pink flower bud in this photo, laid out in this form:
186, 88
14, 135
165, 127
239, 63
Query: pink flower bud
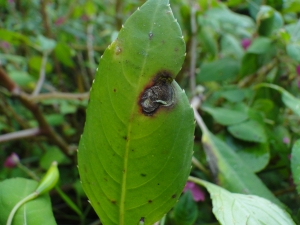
286, 140
11, 161
197, 193
246, 43
59, 21
298, 70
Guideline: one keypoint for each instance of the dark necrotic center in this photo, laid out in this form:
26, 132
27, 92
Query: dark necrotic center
161, 94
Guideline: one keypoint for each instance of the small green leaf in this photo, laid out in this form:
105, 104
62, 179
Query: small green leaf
35, 63
249, 64
249, 131
226, 116
230, 208
219, 70
185, 211
289, 100
295, 164
63, 54
260, 45
53, 154
35, 212
293, 51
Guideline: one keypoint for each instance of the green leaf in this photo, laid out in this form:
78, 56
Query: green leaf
35, 212
35, 63
13, 37
63, 54
293, 51
226, 116
231, 172
230, 208
249, 131
295, 164
53, 154
289, 100
133, 159
219, 70
22, 78
185, 211
249, 64
260, 45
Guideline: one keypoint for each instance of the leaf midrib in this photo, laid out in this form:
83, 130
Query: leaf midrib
124, 176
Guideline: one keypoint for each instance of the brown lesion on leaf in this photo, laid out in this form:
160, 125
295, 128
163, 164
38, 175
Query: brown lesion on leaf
149, 201
143, 175
174, 196
158, 93
113, 202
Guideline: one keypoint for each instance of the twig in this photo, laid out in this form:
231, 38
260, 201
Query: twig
118, 15
199, 165
262, 71
20, 134
84, 73
45, 19
89, 44
195, 103
59, 95
193, 49
42, 77
44, 127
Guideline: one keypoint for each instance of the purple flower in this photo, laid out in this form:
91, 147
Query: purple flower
59, 21
246, 43
10, 1
298, 84
298, 70
84, 17
4, 44
286, 140
197, 193
11, 161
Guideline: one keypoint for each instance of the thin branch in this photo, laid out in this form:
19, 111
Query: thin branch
199, 165
20, 134
42, 77
259, 73
118, 15
44, 127
45, 18
195, 103
193, 49
83, 72
60, 95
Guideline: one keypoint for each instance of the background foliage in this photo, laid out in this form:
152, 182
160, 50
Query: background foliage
49, 51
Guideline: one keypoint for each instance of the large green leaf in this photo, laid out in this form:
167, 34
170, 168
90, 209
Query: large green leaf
295, 162
230, 208
134, 158
231, 172
35, 212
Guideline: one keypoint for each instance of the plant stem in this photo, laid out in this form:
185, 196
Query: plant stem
193, 49
28, 171
42, 77
18, 205
199, 165
59, 95
20, 134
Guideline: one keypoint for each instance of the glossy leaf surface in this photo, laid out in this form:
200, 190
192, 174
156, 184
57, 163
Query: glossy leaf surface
35, 212
133, 165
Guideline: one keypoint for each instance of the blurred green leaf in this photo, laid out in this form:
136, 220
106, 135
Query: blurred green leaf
63, 54
53, 154
54, 119
226, 116
22, 78
260, 45
248, 131
35, 63
13, 37
295, 164
185, 211
219, 70
249, 64
293, 51
45, 44
231, 172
